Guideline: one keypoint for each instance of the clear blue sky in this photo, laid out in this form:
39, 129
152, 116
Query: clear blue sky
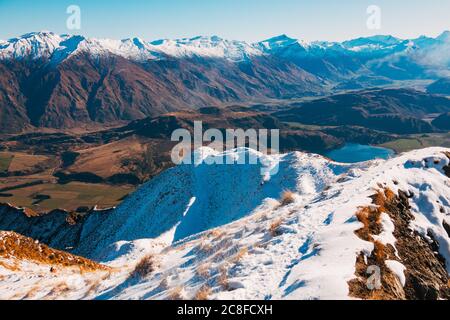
249, 20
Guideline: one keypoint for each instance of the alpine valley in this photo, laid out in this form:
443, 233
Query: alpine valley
92, 207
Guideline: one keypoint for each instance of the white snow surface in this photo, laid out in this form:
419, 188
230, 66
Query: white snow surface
222, 226
398, 269
46, 44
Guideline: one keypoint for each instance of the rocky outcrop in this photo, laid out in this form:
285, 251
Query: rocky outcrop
426, 277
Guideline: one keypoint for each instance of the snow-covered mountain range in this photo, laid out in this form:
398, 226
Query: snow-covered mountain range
47, 44
67, 81
227, 232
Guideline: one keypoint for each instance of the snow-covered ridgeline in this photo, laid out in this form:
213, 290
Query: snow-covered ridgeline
47, 44
222, 227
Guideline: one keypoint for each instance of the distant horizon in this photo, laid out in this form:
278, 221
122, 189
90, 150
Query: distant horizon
224, 38
245, 20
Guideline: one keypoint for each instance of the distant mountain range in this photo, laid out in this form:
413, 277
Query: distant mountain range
63, 81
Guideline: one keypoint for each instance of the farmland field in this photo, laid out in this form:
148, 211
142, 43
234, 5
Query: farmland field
5, 161
68, 196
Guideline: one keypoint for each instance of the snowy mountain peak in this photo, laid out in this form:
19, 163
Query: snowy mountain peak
33, 45
444, 36
204, 46
48, 45
373, 43
280, 42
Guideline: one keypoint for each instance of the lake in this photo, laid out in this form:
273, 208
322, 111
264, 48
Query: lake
351, 153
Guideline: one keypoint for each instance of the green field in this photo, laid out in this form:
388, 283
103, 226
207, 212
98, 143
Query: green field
5, 161
402, 145
298, 125
68, 196
418, 142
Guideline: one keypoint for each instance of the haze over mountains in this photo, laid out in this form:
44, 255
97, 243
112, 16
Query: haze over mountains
62, 81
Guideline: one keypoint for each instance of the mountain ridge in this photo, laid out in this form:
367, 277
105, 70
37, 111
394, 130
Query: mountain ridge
63, 81
45, 43
233, 226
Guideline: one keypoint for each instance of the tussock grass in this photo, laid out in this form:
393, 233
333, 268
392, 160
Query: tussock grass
379, 251
58, 290
10, 267
203, 271
239, 255
222, 279
13, 245
274, 228
287, 197
203, 293
31, 293
176, 294
216, 234
205, 247
144, 267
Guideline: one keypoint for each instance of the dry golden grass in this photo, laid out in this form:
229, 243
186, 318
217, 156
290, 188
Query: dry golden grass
24, 248
370, 217
31, 293
94, 285
203, 293
390, 195
222, 279
107, 159
287, 197
204, 271
216, 234
176, 294
58, 290
363, 216
11, 267
379, 251
205, 247
238, 256
144, 267
23, 161
274, 228
382, 197
263, 217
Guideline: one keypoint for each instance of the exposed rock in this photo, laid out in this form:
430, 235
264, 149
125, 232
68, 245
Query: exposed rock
426, 275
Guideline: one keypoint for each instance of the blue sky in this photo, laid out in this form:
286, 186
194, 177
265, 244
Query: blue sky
250, 20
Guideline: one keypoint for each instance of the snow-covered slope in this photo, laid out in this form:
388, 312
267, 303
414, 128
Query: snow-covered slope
189, 199
47, 44
223, 231
213, 47
34, 45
